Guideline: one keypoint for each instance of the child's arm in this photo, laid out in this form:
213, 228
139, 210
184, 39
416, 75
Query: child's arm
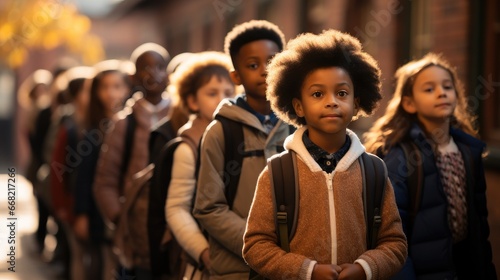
211, 208
396, 167
261, 250
390, 254
178, 206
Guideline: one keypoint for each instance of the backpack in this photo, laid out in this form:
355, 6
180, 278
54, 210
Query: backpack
286, 191
286, 194
163, 247
132, 225
234, 153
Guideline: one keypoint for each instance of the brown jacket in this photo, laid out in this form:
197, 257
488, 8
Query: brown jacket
106, 189
331, 223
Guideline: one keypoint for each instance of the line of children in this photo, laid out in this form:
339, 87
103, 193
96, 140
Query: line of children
319, 84
428, 110
115, 169
108, 91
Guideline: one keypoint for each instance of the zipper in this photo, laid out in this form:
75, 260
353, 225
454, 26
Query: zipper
333, 228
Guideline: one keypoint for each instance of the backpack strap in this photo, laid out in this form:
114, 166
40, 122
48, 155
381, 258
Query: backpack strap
127, 149
160, 135
234, 152
374, 181
282, 171
414, 180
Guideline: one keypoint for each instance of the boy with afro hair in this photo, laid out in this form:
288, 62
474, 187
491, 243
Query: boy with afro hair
320, 84
251, 46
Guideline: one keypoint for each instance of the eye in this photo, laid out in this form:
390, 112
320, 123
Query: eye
428, 89
342, 93
317, 94
253, 66
448, 87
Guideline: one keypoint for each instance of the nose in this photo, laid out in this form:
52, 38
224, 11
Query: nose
441, 92
330, 100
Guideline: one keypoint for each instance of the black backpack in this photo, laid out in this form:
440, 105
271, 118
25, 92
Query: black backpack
234, 153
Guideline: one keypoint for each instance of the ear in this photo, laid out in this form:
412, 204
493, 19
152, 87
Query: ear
408, 105
356, 106
235, 77
192, 103
297, 106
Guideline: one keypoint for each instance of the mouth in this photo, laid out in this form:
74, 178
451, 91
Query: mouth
331, 116
442, 105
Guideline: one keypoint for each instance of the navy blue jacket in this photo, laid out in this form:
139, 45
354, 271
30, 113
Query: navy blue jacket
431, 252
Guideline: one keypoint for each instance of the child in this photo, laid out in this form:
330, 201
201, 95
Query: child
108, 92
251, 45
65, 159
429, 111
319, 84
201, 83
117, 163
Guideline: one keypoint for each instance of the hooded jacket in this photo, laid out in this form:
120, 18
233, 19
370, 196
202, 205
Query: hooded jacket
331, 227
224, 224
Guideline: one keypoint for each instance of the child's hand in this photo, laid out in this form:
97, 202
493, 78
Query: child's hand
326, 272
205, 259
352, 272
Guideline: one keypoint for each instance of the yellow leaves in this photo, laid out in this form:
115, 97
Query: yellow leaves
6, 32
17, 57
27, 24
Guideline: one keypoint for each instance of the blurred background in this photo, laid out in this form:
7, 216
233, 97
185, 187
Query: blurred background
37, 34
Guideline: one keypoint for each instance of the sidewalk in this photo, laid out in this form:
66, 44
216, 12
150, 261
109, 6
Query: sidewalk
28, 266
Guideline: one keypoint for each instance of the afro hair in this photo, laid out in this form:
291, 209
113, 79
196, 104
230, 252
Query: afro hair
308, 52
252, 31
196, 72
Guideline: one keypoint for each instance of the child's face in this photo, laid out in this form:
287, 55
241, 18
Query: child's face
151, 73
327, 101
112, 92
210, 95
250, 67
434, 97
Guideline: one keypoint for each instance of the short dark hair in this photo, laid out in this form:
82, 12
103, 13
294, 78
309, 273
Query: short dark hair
252, 31
308, 52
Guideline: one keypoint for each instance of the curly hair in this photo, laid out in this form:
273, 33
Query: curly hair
308, 52
196, 72
393, 126
252, 31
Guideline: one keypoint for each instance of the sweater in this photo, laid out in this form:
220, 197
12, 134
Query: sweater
179, 204
332, 205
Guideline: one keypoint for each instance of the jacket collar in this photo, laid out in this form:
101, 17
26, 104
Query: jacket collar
294, 142
418, 136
